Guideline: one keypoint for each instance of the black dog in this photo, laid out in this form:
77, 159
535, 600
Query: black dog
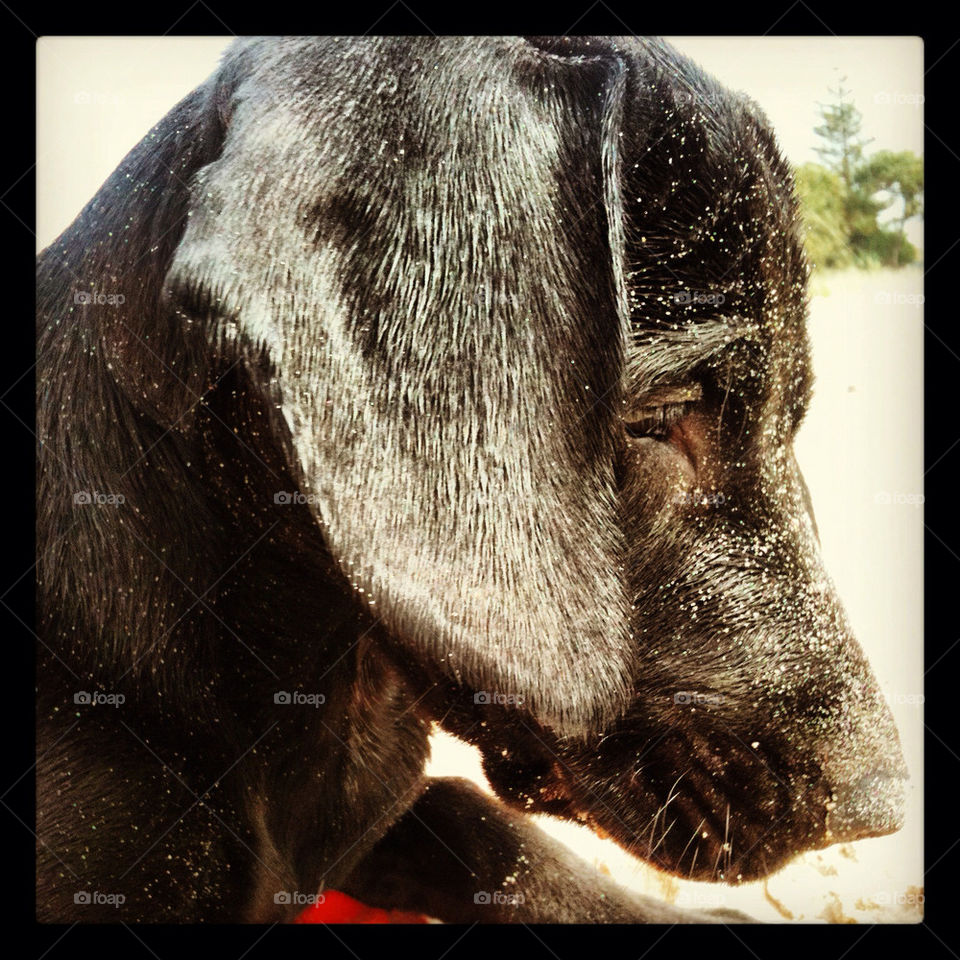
399, 380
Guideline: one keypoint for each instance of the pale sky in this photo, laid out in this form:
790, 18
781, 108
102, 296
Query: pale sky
788, 75
97, 96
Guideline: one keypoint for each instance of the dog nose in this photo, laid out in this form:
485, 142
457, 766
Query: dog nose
872, 806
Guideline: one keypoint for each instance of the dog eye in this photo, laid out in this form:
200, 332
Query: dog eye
660, 412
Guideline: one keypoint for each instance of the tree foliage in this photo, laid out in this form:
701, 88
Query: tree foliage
822, 200
846, 201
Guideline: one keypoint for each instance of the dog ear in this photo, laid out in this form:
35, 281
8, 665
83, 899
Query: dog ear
414, 243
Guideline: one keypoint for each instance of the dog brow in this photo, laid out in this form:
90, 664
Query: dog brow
661, 356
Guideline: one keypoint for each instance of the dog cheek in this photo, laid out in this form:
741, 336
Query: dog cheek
656, 479
664, 478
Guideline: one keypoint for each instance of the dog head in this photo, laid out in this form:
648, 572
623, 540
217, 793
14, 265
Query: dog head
531, 320
757, 729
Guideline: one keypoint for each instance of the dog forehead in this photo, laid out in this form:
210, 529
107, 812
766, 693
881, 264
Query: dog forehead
419, 80
449, 129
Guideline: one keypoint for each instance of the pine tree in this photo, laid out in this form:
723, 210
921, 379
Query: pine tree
843, 148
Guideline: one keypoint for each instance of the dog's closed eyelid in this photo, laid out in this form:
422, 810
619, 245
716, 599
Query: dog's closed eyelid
659, 411
655, 421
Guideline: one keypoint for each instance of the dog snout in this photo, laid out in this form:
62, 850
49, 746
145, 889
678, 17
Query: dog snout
866, 779
871, 806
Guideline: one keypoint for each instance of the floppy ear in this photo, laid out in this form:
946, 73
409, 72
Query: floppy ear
412, 242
